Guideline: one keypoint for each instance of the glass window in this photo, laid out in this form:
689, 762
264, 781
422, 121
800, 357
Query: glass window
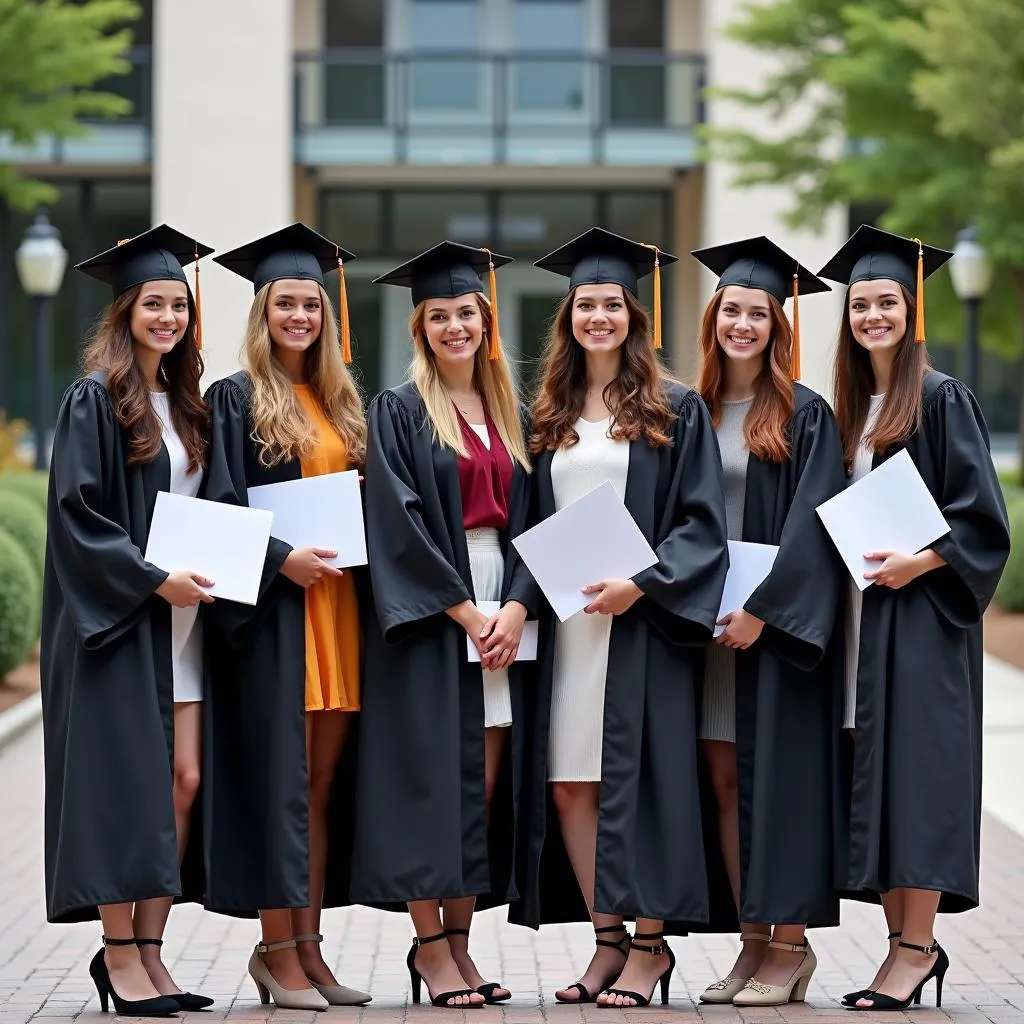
354, 83
636, 24
354, 23
422, 219
355, 219
452, 82
364, 312
537, 222
640, 215
545, 84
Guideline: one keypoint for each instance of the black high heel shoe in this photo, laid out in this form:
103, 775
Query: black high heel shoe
186, 1000
156, 1006
488, 989
665, 980
417, 980
850, 999
880, 1001
585, 996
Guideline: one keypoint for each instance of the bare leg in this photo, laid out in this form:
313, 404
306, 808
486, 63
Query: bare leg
434, 960
721, 761
577, 806
458, 914
151, 915
779, 965
642, 969
127, 974
908, 965
283, 964
325, 737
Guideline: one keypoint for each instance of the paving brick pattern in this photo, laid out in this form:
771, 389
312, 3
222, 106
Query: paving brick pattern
43, 968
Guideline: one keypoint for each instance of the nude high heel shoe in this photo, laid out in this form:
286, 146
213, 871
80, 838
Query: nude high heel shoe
727, 989
336, 995
757, 993
285, 998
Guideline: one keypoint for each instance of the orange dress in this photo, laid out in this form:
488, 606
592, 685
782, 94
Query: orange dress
332, 614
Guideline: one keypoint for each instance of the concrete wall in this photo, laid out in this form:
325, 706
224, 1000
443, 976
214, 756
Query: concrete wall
222, 164
732, 213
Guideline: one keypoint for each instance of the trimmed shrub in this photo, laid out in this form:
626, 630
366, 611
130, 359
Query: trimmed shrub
30, 484
21, 518
1010, 592
19, 604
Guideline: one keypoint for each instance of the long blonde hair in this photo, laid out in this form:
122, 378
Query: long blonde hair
492, 379
281, 428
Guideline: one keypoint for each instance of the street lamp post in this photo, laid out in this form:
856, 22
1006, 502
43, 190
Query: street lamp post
41, 261
972, 276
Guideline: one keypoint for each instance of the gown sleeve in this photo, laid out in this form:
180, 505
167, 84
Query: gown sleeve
799, 608
412, 580
683, 590
103, 577
978, 542
225, 481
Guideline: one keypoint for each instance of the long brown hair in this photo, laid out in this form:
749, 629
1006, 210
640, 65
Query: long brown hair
635, 398
111, 349
764, 427
281, 428
491, 377
900, 414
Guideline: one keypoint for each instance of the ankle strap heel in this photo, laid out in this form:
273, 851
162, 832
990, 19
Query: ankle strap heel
107, 941
659, 948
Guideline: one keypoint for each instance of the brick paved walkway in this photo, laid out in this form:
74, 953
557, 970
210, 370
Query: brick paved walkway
43, 968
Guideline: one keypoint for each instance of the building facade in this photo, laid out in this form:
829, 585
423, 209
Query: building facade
391, 124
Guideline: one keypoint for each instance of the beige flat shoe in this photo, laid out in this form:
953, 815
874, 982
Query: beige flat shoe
757, 993
336, 995
725, 990
268, 988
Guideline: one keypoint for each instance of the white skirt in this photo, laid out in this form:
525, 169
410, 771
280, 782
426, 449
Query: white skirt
187, 654
487, 568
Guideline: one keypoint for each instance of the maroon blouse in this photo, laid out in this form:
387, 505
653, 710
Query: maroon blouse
485, 478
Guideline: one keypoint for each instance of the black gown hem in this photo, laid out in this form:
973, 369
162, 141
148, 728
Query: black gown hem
951, 901
88, 910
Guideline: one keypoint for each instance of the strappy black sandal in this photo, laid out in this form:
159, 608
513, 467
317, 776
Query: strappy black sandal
880, 1001
488, 989
585, 996
850, 999
417, 980
665, 980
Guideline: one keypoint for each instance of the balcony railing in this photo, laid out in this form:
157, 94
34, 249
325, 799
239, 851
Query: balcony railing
124, 140
622, 107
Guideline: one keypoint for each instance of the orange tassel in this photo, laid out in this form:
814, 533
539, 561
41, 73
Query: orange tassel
919, 319
494, 349
657, 294
199, 306
346, 338
796, 327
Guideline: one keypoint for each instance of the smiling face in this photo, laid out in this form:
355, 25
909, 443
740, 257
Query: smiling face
744, 323
294, 314
159, 315
600, 317
878, 314
454, 328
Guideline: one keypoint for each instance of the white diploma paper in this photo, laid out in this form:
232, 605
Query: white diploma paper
527, 642
749, 565
317, 512
225, 543
890, 509
592, 539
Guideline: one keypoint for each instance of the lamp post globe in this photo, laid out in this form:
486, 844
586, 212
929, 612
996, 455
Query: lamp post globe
971, 272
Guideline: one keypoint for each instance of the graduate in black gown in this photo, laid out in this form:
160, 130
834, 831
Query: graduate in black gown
441, 741
108, 676
279, 798
914, 653
771, 681
615, 728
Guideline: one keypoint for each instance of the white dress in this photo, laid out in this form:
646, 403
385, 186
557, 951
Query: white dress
581, 643
861, 468
186, 629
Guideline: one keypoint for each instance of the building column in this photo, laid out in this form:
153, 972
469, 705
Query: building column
731, 213
223, 146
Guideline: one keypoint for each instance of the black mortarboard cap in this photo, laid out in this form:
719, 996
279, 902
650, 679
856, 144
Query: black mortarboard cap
295, 252
155, 255
871, 254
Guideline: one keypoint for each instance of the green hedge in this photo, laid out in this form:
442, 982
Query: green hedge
1010, 593
21, 518
19, 604
31, 484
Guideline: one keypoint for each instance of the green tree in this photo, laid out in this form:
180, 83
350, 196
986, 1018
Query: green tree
52, 52
916, 105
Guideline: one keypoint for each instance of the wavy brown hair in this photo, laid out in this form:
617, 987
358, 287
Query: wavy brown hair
635, 398
111, 349
765, 425
900, 414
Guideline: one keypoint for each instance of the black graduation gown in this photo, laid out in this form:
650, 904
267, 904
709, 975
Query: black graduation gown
650, 849
421, 829
255, 736
915, 815
788, 681
106, 675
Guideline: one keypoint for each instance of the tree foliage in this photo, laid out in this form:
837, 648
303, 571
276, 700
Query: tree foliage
52, 54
